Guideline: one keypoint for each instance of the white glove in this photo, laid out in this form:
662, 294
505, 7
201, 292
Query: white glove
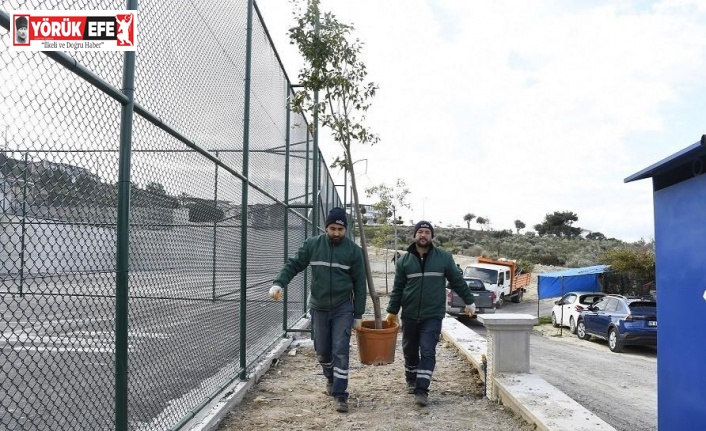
357, 323
275, 292
470, 310
393, 319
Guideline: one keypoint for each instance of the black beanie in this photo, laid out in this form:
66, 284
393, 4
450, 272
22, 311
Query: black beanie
337, 215
21, 21
423, 224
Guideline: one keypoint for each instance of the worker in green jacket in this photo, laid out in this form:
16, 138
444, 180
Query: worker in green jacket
420, 289
337, 299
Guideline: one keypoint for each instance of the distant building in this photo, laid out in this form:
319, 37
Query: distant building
370, 214
73, 172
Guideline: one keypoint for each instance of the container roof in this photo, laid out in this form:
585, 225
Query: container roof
678, 167
572, 272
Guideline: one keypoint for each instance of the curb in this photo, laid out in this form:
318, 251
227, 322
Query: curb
528, 395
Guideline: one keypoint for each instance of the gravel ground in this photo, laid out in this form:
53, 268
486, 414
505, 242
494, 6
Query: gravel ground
291, 395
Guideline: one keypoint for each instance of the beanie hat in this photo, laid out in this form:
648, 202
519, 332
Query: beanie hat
423, 224
20, 22
338, 216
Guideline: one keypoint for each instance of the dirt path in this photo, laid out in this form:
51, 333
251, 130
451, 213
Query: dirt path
291, 395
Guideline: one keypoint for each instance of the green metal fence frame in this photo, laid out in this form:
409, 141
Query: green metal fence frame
129, 107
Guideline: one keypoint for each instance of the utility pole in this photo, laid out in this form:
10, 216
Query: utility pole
394, 221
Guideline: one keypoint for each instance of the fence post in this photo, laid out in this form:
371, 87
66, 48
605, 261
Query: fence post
306, 225
244, 200
24, 225
286, 208
123, 241
215, 232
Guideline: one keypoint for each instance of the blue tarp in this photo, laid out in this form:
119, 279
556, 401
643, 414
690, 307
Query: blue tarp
555, 284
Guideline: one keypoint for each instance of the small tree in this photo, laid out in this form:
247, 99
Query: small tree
596, 236
559, 223
381, 237
634, 269
638, 261
391, 200
468, 218
482, 221
155, 188
333, 68
519, 225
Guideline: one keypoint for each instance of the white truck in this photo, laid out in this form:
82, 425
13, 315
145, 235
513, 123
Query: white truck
501, 277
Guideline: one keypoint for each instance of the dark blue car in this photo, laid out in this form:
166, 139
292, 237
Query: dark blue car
621, 321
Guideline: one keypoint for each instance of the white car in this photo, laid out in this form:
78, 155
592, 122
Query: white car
566, 311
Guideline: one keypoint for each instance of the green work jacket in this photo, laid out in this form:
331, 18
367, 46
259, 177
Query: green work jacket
420, 284
338, 273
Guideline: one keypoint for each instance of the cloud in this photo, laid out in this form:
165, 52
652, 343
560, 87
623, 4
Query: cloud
513, 110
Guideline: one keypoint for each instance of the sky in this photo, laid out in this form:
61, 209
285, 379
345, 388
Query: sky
512, 110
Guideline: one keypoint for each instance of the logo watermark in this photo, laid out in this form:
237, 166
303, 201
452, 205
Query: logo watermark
45, 30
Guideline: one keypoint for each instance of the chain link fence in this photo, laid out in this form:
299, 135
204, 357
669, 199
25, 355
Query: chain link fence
628, 284
221, 190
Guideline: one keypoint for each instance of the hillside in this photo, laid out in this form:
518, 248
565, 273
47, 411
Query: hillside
632, 264
527, 247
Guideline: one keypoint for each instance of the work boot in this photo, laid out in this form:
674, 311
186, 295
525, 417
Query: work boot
421, 399
341, 405
329, 387
410, 387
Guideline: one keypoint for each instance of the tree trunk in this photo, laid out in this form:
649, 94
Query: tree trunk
364, 245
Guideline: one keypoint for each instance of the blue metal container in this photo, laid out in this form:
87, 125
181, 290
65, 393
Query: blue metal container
679, 184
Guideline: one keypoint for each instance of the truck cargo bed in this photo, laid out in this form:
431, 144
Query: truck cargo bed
482, 298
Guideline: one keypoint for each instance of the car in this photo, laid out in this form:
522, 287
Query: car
620, 320
566, 310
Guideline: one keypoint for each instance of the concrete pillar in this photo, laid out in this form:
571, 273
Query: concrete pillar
508, 349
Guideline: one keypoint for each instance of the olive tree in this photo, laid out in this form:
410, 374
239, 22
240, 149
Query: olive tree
559, 223
519, 225
468, 218
335, 92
